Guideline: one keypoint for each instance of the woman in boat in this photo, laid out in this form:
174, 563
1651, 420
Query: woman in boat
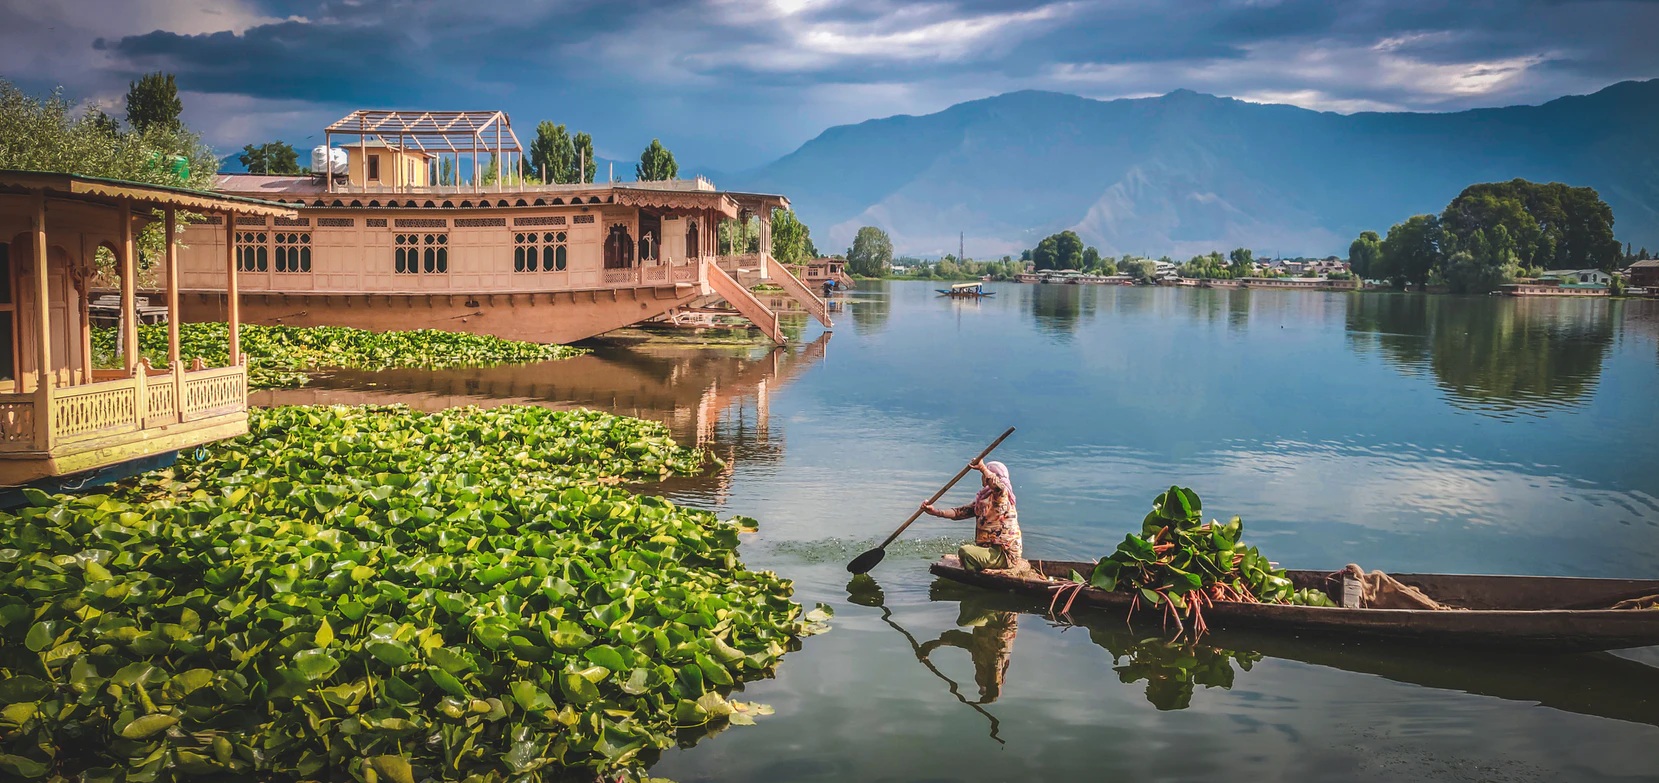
997, 532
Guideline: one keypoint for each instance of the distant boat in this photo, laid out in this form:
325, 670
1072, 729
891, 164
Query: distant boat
966, 290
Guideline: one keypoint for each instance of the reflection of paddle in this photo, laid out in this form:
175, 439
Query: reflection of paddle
916, 647
863, 563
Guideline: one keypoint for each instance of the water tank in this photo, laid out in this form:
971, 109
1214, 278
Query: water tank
328, 159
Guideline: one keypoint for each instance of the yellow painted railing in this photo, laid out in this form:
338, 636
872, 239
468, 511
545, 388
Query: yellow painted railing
114, 407
213, 392
17, 422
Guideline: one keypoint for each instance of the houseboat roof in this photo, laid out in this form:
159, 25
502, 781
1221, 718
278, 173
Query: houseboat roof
680, 194
111, 191
441, 129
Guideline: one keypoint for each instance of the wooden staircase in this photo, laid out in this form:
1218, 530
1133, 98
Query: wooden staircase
741, 298
780, 276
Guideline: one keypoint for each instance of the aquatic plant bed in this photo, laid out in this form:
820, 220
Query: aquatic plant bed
376, 594
280, 356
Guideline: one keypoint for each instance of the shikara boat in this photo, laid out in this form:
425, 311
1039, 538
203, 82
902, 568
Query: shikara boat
1534, 613
968, 290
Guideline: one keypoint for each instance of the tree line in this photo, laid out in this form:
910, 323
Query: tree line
1491, 234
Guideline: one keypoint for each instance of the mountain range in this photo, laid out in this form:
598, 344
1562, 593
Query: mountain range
1186, 172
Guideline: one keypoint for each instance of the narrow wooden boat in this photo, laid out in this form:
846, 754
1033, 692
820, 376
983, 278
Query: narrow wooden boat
973, 290
1541, 613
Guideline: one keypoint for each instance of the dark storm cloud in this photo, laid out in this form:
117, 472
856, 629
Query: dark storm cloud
773, 73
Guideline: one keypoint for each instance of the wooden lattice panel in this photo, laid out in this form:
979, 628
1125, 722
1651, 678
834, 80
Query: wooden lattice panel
95, 409
162, 404
211, 391
17, 425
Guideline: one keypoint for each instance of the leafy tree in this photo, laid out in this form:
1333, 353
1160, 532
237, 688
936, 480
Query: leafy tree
1142, 269
1091, 258
583, 166
790, 238
738, 236
656, 163
1059, 251
1243, 262
552, 156
272, 157
1364, 255
1553, 225
153, 102
871, 253
1412, 250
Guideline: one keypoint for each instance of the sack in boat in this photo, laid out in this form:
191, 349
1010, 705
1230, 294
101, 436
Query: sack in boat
1381, 591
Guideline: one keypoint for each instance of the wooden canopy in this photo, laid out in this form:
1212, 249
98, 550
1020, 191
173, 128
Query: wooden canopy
113, 192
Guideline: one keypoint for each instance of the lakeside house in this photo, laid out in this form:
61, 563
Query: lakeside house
63, 420
1578, 277
420, 222
1643, 274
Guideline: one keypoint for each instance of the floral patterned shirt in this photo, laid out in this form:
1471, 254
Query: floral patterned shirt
999, 522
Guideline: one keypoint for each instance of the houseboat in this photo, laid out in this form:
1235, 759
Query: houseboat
63, 421
422, 222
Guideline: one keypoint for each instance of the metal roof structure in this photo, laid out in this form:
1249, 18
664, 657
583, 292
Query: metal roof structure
436, 133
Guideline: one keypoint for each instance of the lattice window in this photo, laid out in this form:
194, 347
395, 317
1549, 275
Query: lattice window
293, 252
337, 222
252, 251
215, 220
556, 220
420, 223
375, 222
250, 221
282, 221
583, 219
422, 253
480, 222
544, 251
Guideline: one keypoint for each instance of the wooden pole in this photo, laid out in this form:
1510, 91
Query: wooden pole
129, 291
499, 185
475, 161
233, 300
44, 415
174, 359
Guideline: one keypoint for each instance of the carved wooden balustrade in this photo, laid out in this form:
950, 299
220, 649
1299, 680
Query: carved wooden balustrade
107, 408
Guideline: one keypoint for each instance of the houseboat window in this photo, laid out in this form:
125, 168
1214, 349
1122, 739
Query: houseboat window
374, 167
418, 253
252, 255
553, 252
619, 248
693, 248
293, 252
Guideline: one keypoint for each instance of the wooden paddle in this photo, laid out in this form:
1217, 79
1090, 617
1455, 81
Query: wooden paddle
863, 563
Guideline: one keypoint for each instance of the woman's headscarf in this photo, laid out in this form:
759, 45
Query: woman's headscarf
1001, 472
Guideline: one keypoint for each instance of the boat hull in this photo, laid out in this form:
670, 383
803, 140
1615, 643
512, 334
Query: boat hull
1540, 615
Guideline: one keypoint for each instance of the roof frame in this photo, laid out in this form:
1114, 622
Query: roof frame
442, 128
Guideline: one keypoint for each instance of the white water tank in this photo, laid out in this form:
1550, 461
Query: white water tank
328, 159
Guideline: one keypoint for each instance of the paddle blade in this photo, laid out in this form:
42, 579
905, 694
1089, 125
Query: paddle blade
863, 563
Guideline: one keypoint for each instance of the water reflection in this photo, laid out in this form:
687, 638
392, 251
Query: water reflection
870, 308
1059, 309
1597, 684
715, 396
1498, 355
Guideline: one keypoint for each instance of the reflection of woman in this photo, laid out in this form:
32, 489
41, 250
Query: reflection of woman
997, 535
991, 643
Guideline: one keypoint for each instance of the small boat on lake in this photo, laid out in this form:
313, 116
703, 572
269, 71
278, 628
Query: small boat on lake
1537, 613
966, 290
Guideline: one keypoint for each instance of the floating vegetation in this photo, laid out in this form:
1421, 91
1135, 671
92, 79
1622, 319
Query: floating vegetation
376, 594
840, 550
280, 356
1180, 563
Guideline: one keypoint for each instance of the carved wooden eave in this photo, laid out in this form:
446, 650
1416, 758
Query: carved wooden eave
112, 192
677, 202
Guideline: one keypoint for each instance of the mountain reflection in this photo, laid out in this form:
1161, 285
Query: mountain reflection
1496, 354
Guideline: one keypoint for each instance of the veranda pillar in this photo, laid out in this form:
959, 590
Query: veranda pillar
233, 301
45, 420
174, 360
129, 292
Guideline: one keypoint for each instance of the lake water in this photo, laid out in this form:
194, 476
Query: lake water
1404, 433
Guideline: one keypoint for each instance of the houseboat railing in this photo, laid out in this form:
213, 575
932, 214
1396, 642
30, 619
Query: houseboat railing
107, 408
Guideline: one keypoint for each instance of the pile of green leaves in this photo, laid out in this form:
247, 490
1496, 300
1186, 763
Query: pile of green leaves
280, 356
1179, 562
376, 594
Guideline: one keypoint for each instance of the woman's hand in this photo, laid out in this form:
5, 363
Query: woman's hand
977, 464
927, 508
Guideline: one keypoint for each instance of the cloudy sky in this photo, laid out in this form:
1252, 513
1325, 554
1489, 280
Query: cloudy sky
729, 84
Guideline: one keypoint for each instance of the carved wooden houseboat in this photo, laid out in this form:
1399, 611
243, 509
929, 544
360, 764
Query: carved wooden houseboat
412, 226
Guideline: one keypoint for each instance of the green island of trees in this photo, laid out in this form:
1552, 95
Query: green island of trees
1491, 234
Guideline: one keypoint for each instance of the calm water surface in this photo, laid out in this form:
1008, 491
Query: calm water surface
1403, 433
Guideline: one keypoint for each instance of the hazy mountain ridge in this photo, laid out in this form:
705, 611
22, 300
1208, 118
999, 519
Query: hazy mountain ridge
1187, 172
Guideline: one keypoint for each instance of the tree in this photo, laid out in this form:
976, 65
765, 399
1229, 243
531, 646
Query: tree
1364, 255
552, 156
1412, 250
1059, 251
272, 157
656, 163
790, 238
1244, 262
1091, 258
583, 166
871, 253
1142, 269
153, 102
1553, 225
